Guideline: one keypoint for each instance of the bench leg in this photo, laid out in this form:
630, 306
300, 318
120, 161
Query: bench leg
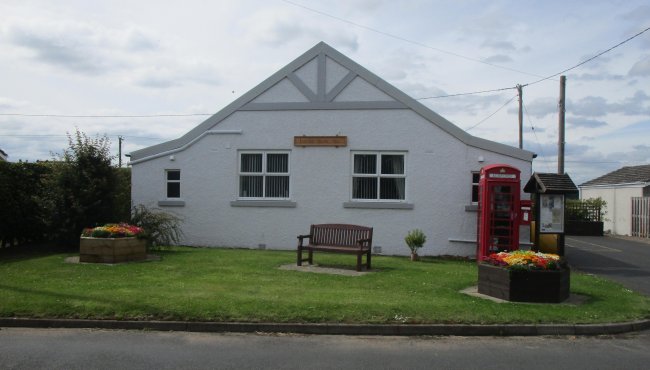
359, 262
299, 260
310, 258
368, 258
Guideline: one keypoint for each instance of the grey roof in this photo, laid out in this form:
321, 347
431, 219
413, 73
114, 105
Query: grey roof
625, 175
319, 50
550, 183
3, 155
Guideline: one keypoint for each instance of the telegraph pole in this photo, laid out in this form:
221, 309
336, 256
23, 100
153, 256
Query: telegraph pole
521, 117
560, 144
119, 161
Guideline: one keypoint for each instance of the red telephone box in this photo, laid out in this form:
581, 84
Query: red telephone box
498, 210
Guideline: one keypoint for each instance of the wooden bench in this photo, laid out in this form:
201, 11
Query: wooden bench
337, 238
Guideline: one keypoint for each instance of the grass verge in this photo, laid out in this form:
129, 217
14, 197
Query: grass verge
247, 285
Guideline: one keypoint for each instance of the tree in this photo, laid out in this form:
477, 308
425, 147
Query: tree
81, 188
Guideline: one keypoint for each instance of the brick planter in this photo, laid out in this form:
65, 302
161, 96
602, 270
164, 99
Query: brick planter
112, 250
541, 286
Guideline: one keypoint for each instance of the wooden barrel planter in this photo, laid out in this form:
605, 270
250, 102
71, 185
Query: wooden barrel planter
540, 286
112, 250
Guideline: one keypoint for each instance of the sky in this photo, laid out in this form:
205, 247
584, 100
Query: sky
149, 71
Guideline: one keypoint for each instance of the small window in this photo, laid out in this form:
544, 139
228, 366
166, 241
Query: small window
173, 183
378, 176
264, 175
476, 176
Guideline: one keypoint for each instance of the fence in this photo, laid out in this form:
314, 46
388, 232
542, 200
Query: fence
641, 217
582, 212
582, 219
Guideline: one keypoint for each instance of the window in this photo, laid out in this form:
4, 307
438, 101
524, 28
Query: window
173, 183
378, 176
264, 175
476, 176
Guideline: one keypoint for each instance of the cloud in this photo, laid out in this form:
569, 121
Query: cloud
280, 28
72, 46
638, 20
597, 106
172, 74
500, 45
470, 104
498, 58
584, 122
539, 108
139, 40
131, 54
634, 105
8, 103
641, 68
589, 106
596, 77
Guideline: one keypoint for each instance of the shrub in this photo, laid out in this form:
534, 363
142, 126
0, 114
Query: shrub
160, 228
415, 239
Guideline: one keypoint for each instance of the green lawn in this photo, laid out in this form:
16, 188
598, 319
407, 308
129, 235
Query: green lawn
247, 285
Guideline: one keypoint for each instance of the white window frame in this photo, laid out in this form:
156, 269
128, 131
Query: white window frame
263, 174
168, 181
378, 175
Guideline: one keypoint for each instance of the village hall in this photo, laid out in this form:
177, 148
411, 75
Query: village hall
322, 140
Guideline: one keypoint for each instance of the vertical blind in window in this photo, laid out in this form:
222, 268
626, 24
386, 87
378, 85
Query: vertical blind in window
264, 175
388, 182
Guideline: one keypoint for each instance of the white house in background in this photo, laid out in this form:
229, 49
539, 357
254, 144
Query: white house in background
323, 140
617, 188
3, 155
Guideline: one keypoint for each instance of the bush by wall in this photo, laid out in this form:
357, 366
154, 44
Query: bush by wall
53, 201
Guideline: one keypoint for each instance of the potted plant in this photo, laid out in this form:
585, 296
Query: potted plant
112, 243
524, 276
415, 239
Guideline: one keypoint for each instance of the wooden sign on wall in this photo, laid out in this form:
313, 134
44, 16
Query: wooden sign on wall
336, 141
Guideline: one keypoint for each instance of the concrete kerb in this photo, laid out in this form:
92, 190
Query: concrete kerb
338, 329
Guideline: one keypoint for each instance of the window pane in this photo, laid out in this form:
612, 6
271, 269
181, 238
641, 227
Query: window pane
277, 163
277, 186
392, 164
173, 190
174, 175
365, 163
251, 163
250, 186
474, 193
392, 188
364, 188
476, 177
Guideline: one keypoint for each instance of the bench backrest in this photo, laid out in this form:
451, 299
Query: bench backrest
340, 235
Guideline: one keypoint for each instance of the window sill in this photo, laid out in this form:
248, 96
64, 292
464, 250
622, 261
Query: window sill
471, 208
263, 203
378, 205
171, 203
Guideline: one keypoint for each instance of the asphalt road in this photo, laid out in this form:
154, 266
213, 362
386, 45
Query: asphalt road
623, 260
22, 348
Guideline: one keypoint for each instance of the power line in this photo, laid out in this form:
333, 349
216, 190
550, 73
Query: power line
467, 93
407, 40
530, 122
106, 116
495, 112
590, 59
54, 135
371, 29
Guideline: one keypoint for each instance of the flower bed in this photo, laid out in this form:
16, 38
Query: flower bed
524, 276
112, 243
